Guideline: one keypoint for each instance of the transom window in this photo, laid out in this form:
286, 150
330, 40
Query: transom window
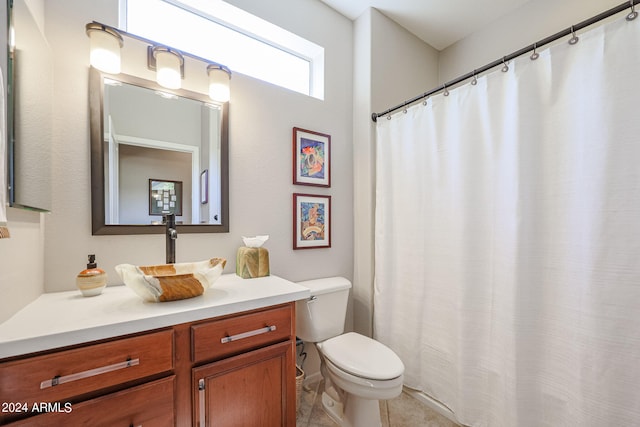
222, 33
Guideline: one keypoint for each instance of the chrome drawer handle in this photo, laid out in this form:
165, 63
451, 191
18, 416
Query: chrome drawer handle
90, 373
248, 334
201, 396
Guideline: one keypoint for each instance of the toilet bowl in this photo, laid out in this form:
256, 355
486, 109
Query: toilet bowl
363, 366
358, 371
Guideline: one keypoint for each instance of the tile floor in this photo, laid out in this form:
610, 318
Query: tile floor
403, 411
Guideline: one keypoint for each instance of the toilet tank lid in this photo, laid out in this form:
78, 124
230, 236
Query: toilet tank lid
326, 285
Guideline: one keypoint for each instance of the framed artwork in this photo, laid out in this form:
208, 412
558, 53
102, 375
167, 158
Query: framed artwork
165, 197
204, 187
311, 158
311, 221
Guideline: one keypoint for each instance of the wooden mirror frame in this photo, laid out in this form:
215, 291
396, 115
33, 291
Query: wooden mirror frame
96, 106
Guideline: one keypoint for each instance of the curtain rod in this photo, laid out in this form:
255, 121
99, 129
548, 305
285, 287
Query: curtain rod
502, 61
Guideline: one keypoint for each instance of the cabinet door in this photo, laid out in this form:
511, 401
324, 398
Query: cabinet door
249, 390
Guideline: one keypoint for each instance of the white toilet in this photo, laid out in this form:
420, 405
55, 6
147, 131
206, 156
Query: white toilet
358, 371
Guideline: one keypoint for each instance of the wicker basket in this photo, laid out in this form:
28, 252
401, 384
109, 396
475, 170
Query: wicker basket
299, 381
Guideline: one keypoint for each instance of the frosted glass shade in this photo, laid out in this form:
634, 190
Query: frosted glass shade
219, 83
105, 50
168, 65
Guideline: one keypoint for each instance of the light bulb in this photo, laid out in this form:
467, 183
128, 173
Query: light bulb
219, 83
105, 48
168, 65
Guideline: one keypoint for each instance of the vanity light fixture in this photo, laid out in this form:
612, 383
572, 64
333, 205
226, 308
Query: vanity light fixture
105, 47
169, 66
167, 62
219, 77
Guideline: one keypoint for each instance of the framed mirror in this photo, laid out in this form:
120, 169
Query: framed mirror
29, 77
143, 134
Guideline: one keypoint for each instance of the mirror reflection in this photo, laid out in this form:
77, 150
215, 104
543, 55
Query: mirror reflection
30, 109
156, 152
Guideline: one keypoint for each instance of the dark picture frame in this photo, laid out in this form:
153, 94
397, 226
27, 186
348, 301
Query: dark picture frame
311, 158
311, 221
165, 197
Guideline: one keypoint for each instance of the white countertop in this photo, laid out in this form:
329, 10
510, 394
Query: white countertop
60, 319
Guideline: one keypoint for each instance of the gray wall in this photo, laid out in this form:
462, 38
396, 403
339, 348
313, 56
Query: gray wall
261, 121
21, 256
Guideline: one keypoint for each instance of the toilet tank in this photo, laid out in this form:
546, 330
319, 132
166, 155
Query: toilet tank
321, 316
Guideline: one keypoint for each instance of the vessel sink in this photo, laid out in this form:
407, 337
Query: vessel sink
170, 282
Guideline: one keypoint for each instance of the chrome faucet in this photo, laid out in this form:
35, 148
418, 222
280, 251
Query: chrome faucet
171, 236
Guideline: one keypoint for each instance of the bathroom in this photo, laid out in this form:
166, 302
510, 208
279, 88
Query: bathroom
371, 64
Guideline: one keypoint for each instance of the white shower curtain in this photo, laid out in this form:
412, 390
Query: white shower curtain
507, 254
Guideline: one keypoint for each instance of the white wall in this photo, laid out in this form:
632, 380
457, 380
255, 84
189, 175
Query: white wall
21, 261
530, 23
21, 256
139, 164
261, 120
391, 66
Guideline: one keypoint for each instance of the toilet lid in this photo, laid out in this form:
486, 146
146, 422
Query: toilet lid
362, 356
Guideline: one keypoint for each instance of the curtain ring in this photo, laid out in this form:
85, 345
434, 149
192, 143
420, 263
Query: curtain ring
424, 102
575, 39
388, 116
535, 54
633, 14
446, 91
474, 81
505, 68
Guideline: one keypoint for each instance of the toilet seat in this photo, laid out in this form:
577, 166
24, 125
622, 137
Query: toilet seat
363, 357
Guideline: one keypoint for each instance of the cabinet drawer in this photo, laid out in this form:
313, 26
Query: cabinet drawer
61, 376
221, 338
147, 405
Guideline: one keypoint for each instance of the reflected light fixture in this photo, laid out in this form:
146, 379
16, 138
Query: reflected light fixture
219, 77
169, 66
105, 47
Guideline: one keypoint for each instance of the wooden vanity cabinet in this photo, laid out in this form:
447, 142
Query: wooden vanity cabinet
232, 370
251, 378
51, 389
148, 405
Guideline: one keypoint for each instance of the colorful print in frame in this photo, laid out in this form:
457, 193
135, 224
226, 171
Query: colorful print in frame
311, 158
311, 221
